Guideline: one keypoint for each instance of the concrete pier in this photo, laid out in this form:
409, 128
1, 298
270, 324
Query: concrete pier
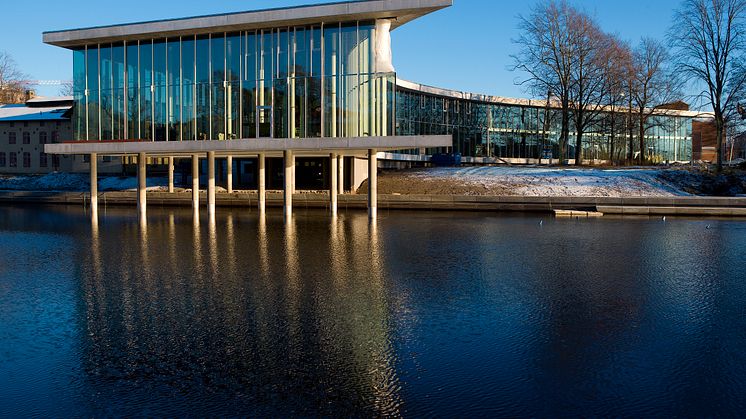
195, 183
262, 183
229, 176
372, 183
94, 185
333, 188
288, 190
211, 183
141, 184
171, 174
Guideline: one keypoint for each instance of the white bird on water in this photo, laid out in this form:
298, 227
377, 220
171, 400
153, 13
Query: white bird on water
664, 218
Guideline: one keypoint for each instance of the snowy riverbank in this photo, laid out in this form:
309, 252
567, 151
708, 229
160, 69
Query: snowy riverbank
543, 181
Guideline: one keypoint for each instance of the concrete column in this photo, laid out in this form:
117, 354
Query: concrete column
195, 183
211, 183
292, 178
141, 184
94, 185
341, 174
333, 189
229, 180
171, 174
372, 183
288, 190
262, 183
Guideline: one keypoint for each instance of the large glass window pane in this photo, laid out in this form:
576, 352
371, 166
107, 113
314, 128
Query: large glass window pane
233, 58
173, 79
105, 80
118, 99
217, 97
92, 93
133, 102
146, 90
300, 53
202, 89
248, 118
365, 46
187, 88
79, 70
331, 81
203, 59
298, 91
159, 92
313, 86
266, 65
233, 108
283, 56
202, 108
79, 83
79, 116
281, 108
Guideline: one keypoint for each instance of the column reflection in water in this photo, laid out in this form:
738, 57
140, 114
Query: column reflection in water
302, 315
212, 237
292, 286
355, 313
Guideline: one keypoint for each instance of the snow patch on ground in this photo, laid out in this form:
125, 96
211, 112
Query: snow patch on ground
74, 182
542, 181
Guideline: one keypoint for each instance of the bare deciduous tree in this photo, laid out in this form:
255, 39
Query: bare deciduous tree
12, 84
66, 88
617, 69
652, 85
589, 82
546, 55
709, 38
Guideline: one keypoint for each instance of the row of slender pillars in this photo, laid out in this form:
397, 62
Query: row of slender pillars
336, 185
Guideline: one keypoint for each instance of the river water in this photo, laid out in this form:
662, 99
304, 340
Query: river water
421, 314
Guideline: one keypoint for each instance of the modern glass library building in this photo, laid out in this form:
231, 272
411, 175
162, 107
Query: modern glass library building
308, 82
313, 82
289, 82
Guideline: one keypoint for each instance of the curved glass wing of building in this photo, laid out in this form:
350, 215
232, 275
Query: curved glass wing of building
289, 82
521, 129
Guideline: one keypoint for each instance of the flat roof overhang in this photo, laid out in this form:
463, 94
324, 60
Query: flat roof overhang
310, 147
399, 11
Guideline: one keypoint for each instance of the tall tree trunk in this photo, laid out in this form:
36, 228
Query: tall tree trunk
565, 135
579, 147
719, 128
642, 138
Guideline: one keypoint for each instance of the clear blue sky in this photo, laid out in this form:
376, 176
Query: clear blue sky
466, 47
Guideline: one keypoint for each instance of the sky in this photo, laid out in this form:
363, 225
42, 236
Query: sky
466, 47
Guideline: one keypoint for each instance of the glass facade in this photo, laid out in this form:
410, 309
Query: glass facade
292, 82
508, 131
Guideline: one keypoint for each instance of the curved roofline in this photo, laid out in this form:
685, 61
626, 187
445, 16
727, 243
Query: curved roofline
500, 100
400, 11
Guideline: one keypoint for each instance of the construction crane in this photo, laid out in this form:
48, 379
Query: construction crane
46, 82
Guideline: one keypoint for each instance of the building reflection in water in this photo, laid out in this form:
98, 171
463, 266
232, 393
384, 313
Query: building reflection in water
268, 317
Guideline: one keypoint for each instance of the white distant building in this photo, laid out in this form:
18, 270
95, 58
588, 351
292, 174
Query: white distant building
26, 127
